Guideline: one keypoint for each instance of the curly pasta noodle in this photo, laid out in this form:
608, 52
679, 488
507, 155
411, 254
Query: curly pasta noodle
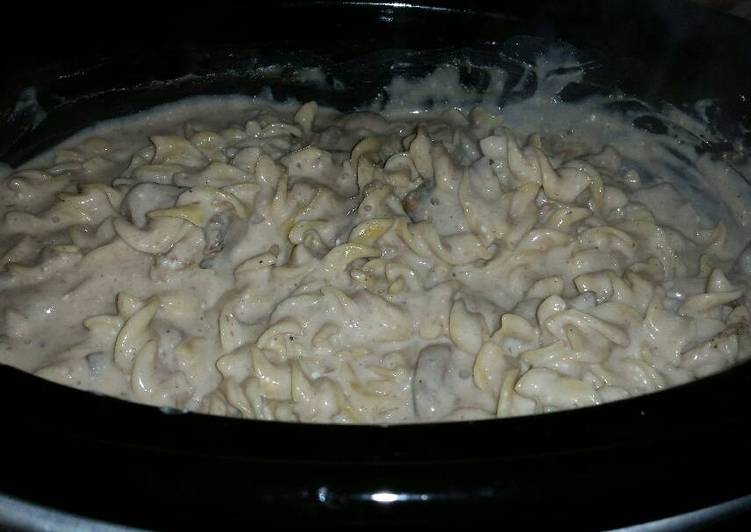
304, 265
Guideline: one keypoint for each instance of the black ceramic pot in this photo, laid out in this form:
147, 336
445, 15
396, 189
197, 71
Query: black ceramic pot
629, 462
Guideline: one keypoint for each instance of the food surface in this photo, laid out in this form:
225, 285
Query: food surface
241, 257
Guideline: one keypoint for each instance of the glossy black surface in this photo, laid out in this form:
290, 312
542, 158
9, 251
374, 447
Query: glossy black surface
602, 467
617, 464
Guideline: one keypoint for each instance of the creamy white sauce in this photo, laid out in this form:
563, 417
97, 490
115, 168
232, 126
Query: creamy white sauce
243, 257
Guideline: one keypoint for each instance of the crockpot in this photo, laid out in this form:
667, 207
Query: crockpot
72, 458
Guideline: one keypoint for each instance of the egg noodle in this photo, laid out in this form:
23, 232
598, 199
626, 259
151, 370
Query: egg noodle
300, 264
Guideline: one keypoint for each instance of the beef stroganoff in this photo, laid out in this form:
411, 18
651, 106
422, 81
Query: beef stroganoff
241, 257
